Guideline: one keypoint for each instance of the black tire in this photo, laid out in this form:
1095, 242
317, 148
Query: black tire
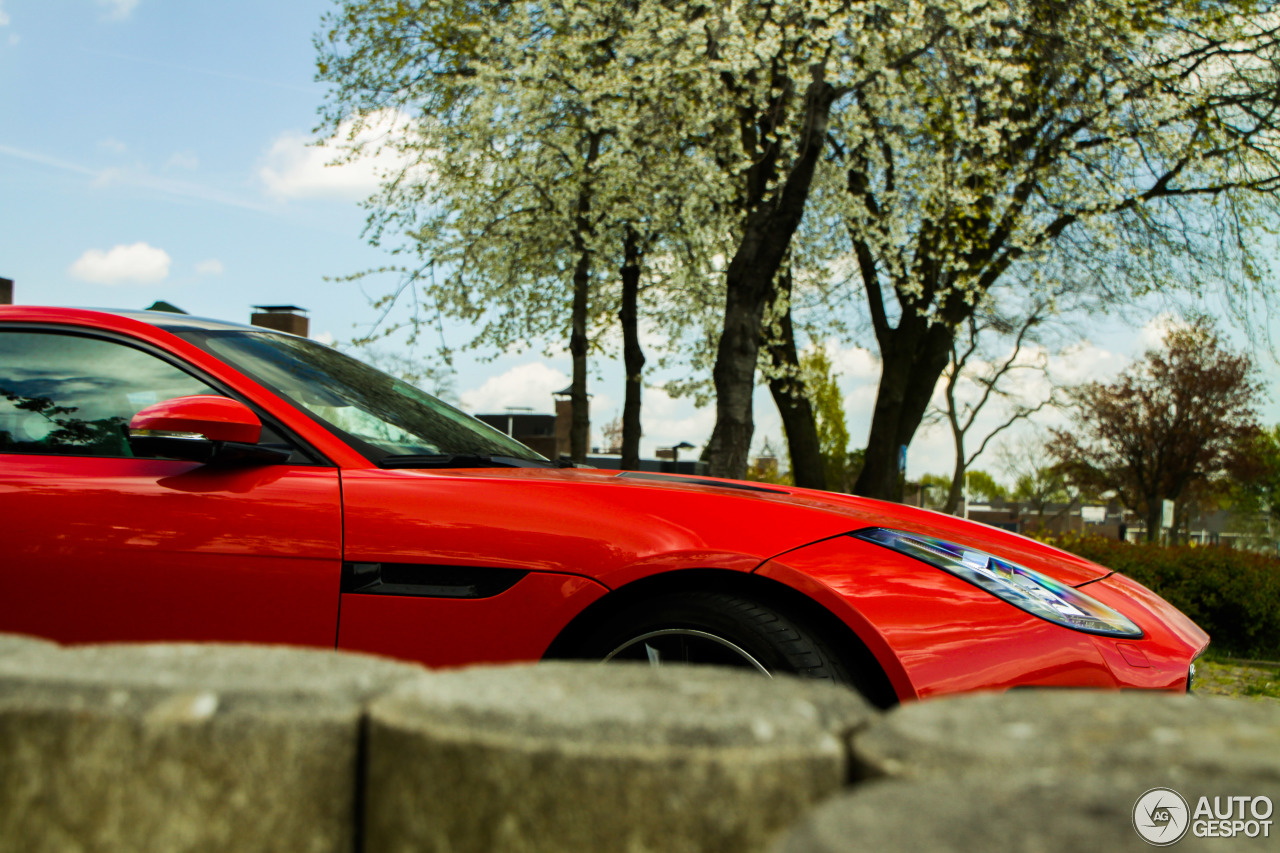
705, 627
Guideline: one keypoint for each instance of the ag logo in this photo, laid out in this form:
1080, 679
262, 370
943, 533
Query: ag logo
1161, 816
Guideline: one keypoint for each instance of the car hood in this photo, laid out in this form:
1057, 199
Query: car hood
866, 512
666, 513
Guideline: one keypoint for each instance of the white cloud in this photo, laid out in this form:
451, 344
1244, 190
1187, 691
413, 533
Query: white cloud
1085, 362
667, 421
118, 10
115, 146
296, 167
107, 178
135, 264
855, 363
1152, 335
212, 266
182, 160
528, 385
4, 16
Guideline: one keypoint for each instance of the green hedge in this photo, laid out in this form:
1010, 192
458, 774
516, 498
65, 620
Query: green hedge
1233, 595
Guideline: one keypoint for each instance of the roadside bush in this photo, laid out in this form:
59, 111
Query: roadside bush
1234, 595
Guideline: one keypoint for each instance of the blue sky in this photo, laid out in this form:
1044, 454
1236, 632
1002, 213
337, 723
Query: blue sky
158, 150
151, 126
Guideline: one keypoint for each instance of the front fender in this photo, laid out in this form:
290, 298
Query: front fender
932, 633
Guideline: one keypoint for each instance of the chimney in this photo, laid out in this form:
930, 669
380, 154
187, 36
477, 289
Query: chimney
6, 291
282, 318
564, 421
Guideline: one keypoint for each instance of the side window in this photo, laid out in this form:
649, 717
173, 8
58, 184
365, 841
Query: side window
73, 395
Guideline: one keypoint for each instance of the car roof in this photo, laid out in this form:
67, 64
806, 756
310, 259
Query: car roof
170, 321
166, 320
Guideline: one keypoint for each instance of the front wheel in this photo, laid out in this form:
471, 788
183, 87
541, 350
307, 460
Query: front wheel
720, 628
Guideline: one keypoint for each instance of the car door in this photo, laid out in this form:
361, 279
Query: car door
102, 545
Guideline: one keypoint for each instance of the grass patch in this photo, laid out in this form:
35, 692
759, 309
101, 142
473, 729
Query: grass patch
1256, 679
1262, 688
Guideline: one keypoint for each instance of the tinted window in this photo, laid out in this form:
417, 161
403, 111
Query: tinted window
385, 416
68, 394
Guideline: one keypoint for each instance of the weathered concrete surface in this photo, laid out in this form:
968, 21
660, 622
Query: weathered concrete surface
1075, 730
1045, 771
183, 747
584, 757
1048, 810
14, 643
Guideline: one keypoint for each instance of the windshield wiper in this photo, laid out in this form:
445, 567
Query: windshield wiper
458, 460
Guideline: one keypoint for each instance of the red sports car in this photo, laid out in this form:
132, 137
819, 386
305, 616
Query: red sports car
169, 478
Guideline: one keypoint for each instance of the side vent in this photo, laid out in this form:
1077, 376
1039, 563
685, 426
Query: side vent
427, 581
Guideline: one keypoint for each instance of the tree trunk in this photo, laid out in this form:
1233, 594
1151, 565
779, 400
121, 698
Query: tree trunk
808, 468
632, 354
580, 427
734, 376
956, 493
914, 355
1155, 515
772, 218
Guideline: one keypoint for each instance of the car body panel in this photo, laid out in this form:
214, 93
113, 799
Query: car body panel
1159, 660
683, 522
932, 632
590, 523
518, 624
150, 549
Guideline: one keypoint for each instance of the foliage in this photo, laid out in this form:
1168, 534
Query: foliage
988, 377
1179, 417
828, 406
611, 435
435, 379
773, 470
933, 489
1125, 141
538, 173
983, 488
1233, 595
930, 150
1259, 490
1231, 679
1036, 479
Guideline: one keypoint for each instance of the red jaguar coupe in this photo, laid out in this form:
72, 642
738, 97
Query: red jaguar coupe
170, 478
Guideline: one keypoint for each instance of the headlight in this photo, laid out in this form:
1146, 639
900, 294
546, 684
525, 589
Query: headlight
1024, 588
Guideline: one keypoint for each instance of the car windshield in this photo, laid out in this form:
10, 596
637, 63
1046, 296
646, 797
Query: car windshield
385, 418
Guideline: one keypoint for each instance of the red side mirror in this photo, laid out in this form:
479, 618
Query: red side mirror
205, 416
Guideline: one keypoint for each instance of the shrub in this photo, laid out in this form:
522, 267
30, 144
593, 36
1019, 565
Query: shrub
1233, 595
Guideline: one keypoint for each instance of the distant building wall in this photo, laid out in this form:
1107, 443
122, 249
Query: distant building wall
282, 318
537, 432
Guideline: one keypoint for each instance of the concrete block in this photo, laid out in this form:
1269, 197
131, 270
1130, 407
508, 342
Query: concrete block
1046, 810
1074, 730
14, 643
586, 757
183, 747
1047, 771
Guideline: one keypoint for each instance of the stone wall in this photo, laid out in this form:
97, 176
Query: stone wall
243, 748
